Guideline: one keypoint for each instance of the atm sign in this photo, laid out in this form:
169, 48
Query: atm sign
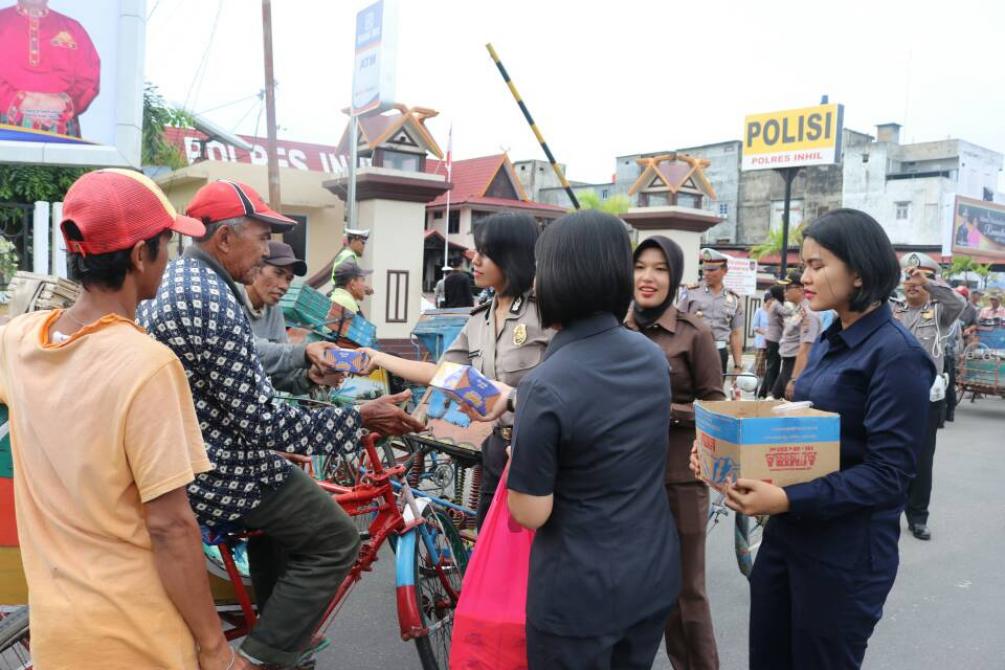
793, 138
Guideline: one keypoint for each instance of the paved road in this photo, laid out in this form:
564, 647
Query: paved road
945, 611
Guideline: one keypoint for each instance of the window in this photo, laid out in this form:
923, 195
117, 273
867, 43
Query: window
455, 223
903, 211
604, 194
723, 209
399, 160
396, 307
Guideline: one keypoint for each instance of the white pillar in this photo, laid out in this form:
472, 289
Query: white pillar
40, 239
58, 246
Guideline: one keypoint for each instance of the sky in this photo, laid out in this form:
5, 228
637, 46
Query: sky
601, 79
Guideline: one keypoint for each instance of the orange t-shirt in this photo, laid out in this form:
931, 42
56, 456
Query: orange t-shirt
100, 424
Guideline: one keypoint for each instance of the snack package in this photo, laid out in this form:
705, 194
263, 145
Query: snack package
466, 385
347, 360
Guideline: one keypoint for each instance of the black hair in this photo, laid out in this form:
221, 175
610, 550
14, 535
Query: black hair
862, 244
777, 292
104, 271
508, 238
585, 267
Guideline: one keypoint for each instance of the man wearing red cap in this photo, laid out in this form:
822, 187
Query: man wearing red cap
198, 313
105, 440
49, 69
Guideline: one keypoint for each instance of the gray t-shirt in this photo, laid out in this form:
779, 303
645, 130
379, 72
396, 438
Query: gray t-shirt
802, 326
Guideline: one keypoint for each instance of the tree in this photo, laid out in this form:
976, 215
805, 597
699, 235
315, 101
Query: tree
773, 244
961, 265
156, 115
617, 204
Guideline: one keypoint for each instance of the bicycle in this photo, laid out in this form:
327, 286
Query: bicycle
430, 559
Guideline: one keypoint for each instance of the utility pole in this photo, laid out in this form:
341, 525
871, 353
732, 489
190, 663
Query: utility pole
275, 197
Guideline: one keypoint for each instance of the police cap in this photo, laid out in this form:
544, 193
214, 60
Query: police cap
710, 256
921, 261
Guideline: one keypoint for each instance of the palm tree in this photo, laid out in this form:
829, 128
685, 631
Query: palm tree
962, 265
773, 245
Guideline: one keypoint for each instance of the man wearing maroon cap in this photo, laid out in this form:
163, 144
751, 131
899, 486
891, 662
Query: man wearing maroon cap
105, 440
198, 313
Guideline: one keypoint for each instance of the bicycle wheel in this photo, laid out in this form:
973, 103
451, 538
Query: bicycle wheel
14, 652
747, 539
440, 562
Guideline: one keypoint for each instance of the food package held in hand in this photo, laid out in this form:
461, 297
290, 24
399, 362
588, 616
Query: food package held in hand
466, 385
347, 360
776, 442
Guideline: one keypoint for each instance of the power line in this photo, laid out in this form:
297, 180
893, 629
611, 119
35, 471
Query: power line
230, 104
200, 72
247, 114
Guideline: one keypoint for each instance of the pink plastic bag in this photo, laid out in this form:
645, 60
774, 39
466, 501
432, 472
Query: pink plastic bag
490, 622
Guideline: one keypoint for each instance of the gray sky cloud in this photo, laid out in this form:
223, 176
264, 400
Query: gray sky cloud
601, 78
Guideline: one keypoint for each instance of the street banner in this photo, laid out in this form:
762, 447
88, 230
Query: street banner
741, 277
978, 228
373, 75
793, 138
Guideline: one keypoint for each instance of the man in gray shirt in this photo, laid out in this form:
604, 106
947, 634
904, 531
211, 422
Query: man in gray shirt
930, 308
721, 308
289, 366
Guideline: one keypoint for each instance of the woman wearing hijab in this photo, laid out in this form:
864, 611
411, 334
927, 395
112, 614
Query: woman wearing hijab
695, 374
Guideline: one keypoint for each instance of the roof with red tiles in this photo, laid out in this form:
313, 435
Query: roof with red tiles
472, 178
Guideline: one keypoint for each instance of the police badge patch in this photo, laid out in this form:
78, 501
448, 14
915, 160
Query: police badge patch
520, 334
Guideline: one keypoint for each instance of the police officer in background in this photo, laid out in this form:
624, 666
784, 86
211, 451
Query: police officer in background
721, 308
352, 250
929, 310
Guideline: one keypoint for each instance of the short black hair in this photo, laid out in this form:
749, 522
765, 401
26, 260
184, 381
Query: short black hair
777, 292
584, 262
508, 238
103, 271
862, 244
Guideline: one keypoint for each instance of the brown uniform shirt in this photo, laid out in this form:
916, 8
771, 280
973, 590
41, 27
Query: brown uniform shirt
695, 374
507, 356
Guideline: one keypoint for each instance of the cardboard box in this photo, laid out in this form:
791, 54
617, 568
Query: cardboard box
347, 360
747, 439
466, 385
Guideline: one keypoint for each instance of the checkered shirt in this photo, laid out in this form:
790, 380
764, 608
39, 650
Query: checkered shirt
197, 315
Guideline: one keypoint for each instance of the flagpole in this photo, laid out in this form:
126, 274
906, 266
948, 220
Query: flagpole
446, 217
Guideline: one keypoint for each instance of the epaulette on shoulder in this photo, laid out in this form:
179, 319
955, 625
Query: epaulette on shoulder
481, 308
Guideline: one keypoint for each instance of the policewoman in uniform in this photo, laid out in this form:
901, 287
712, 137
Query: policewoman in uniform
929, 310
694, 375
503, 339
829, 555
721, 308
588, 462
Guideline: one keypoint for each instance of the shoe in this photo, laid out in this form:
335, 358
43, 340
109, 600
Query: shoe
920, 531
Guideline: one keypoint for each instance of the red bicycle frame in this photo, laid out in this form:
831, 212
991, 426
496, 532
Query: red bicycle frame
374, 493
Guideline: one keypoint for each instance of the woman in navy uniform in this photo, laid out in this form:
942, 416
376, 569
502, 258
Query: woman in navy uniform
589, 456
503, 339
829, 556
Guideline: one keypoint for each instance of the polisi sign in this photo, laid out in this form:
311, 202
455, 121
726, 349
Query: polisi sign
793, 138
